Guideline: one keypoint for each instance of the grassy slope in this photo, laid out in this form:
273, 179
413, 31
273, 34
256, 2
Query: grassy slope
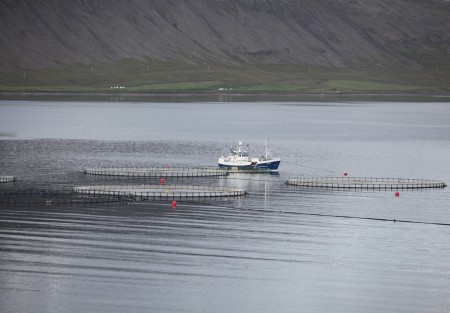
381, 46
155, 76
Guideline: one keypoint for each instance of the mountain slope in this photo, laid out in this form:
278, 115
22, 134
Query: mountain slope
345, 34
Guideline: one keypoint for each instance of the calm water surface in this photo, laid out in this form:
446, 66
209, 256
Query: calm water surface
280, 249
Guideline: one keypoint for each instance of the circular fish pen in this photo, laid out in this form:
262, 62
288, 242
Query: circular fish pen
48, 198
156, 172
365, 183
159, 192
7, 179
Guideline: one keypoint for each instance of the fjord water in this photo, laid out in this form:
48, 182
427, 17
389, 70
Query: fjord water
279, 249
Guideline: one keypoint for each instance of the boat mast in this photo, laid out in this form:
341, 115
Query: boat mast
267, 151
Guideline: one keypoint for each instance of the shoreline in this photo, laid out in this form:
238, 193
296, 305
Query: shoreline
218, 94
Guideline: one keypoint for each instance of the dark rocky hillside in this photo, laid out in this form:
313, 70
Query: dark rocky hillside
340, 33
251, 45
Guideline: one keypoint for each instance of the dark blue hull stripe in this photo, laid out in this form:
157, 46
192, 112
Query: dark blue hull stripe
269, 166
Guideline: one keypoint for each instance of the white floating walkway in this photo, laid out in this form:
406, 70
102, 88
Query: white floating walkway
159, 192
365, 183
156, 172
7, 179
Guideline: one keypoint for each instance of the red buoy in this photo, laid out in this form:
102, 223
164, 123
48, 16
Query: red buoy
161, 181
345, 174
174, 204
397, 194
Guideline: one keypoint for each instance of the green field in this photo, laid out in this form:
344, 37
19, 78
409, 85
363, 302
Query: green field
130, 76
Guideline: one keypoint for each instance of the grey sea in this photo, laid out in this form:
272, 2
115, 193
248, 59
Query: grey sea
278, 249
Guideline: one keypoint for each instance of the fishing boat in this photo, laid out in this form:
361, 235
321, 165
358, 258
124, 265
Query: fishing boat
239, 159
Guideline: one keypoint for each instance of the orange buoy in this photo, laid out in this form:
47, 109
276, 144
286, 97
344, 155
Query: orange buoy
174, 204
161, 181
397, 194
